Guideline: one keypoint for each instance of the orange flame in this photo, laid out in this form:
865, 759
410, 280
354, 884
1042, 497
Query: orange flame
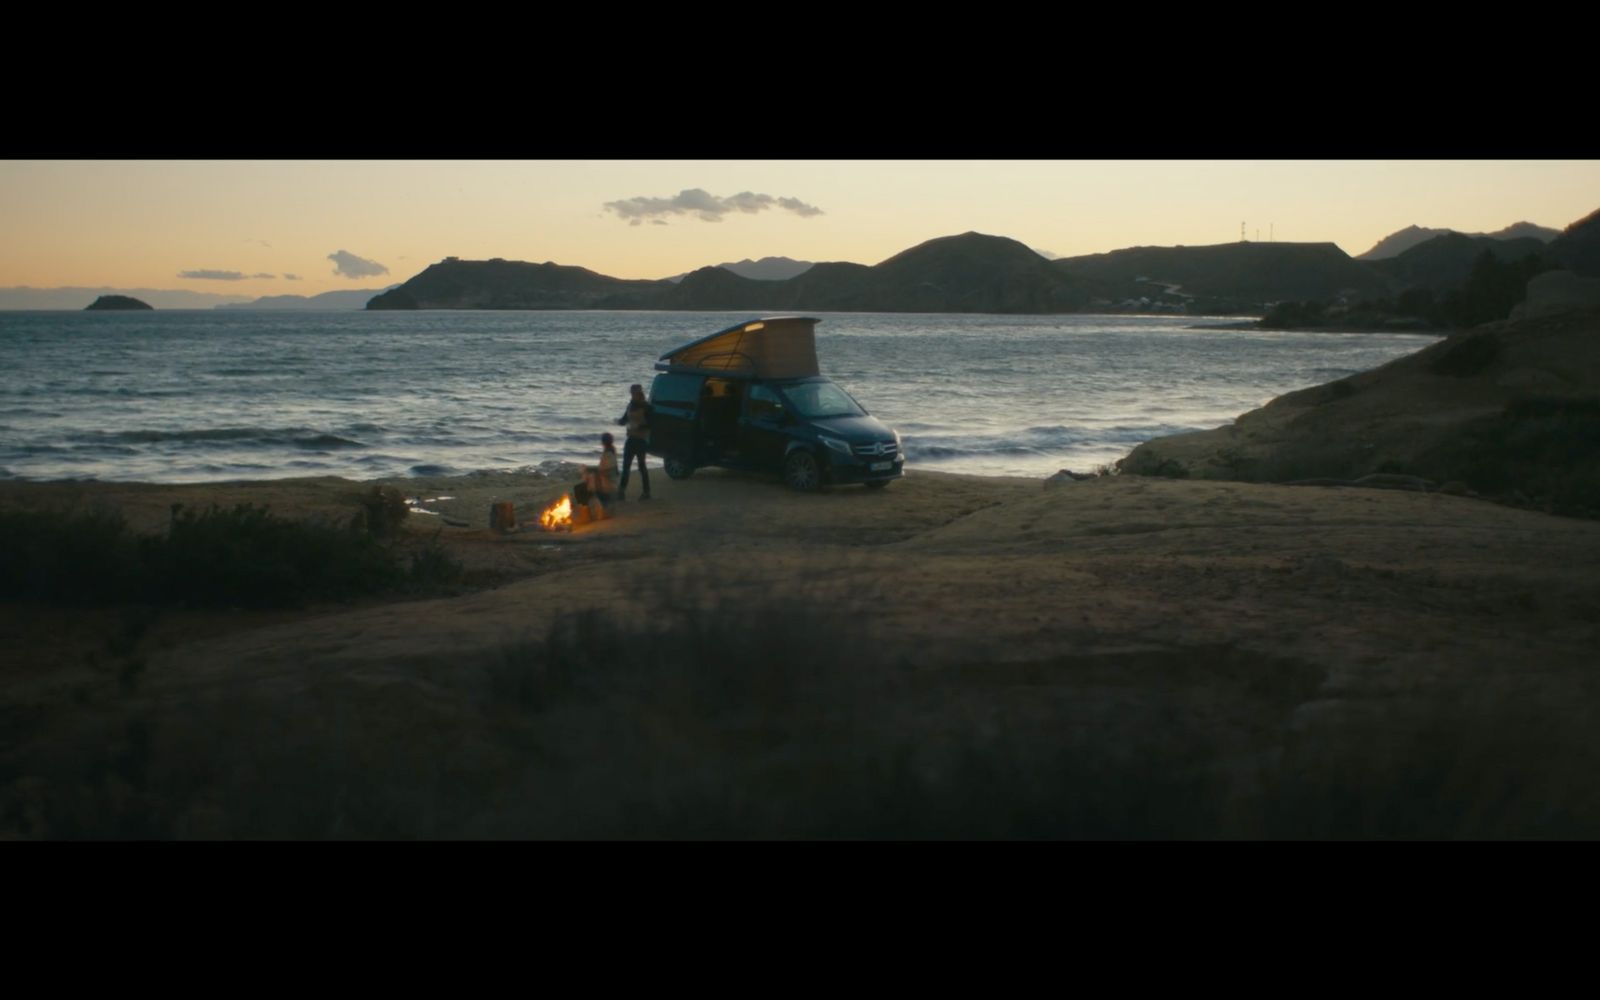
558, 515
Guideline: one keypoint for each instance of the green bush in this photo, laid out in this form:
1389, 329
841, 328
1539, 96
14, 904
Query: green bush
383, 512
246, 557
1545, 451
73, 557
432, 566
242, 556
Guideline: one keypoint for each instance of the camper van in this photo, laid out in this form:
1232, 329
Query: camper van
752, 397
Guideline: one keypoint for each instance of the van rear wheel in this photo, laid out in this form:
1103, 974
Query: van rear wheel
800, 471
677, 468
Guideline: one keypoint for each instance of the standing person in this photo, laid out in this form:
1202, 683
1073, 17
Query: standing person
637, 419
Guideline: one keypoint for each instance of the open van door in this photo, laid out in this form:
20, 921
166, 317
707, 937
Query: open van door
675, 402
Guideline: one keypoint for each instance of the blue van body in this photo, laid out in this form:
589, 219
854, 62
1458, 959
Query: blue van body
742, 402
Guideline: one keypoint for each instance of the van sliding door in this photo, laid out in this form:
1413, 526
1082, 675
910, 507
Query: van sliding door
675, 399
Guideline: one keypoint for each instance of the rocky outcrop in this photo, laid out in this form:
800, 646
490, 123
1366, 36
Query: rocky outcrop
1557, 292
1509, 410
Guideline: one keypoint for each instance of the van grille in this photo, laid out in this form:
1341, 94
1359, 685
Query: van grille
877, 449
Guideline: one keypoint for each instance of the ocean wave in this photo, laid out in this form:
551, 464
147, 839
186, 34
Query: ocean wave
302, 437
1035, 442
1143, 432
123, 392
105, 449
158, 437
915, 452
431, 470
327, 441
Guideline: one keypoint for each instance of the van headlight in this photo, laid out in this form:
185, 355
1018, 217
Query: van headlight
842, 447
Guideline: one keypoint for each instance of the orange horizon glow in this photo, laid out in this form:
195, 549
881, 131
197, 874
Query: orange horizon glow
142, 224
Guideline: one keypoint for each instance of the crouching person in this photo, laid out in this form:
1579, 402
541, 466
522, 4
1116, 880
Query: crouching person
602, 479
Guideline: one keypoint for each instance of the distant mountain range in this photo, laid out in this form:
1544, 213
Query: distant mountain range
26, 298
513, 284
765, 269
1578, 247
353, 299
1399, 242
967, 273
972, 272
1248, 272
74, 297
1444, 262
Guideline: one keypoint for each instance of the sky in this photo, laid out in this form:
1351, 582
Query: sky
274, 227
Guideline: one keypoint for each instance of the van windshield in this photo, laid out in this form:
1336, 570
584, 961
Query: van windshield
814, 400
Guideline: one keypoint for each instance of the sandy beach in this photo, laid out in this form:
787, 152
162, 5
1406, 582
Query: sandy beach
1174, 627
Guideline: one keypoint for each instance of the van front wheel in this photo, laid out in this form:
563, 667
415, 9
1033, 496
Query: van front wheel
677, 468
800, 471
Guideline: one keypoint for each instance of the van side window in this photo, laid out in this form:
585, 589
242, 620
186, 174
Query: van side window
764, 404
676, 391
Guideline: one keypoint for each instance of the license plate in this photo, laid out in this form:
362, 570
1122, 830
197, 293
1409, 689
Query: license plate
881, 466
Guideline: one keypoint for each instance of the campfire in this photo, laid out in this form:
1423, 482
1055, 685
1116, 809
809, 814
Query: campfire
557, 516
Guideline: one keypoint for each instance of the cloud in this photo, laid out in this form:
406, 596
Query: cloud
290, 277
208, 274
1046, 254
703, 205
799, 207
351, 266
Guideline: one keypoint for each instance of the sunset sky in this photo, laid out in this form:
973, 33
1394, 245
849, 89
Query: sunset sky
302, 227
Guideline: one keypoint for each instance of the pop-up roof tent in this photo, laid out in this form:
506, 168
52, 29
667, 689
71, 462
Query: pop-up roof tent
772, 347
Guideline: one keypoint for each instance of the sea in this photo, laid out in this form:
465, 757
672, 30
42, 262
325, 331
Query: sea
206, 395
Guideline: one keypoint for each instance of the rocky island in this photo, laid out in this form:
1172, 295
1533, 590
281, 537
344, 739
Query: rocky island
117, 302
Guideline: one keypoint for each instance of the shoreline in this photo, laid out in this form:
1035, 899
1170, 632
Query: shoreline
1254, 326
